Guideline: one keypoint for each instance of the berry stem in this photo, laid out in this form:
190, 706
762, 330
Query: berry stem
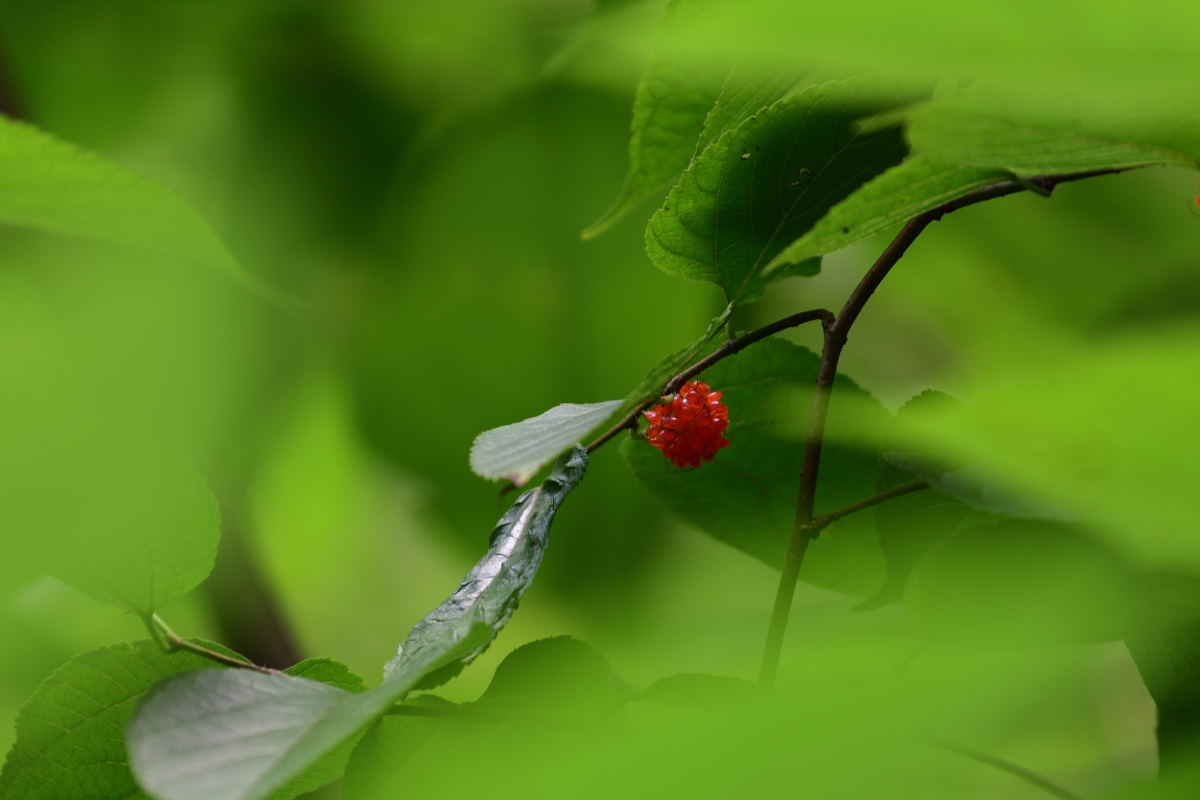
804, 529
731, 347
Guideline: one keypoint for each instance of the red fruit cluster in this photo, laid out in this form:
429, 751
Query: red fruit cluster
688, 429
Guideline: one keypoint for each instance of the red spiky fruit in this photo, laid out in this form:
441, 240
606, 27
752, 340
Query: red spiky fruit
689, 427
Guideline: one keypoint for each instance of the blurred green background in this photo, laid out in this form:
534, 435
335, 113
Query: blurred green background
417, 176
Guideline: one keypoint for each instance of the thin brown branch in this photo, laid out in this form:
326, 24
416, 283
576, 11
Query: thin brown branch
836, 334
825, 520
726, 350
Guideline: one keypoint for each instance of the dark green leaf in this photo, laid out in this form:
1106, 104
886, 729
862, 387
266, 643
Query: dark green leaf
557, 678
70, 734
328, 671
517, 451
914, 186
763, 184
746, 496
669, 112
490, 592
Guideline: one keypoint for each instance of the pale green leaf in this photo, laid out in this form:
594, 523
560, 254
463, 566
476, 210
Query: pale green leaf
52, 186
517, 451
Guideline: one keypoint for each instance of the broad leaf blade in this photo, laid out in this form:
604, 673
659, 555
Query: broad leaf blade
48, 185
517, 451
490, 592
763, 184
746, 496
669, 112
910, 188
69, 741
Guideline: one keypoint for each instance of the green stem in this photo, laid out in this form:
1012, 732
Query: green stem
173, 642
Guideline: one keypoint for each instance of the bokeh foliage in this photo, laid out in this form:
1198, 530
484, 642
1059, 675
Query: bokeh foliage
400, 190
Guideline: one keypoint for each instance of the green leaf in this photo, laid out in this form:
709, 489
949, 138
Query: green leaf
243, 735
1101, 414
328, 671
746, 496
204, 724
49, 185
982, 130
709, 692
910, 188
669, 112
517, 451
763, 184
1025, 581
491, 591
558, 678
543, 693
70, 733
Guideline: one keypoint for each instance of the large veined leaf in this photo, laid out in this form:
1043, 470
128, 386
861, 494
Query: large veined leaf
519, 450
763, 184
491, 591
746, 496
243, 735
669, 111
52, 186
69, 735
910, 188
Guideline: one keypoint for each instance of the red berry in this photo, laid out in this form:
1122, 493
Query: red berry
688, 428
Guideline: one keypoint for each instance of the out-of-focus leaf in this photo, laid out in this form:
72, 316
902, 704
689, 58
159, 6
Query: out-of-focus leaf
669, 112
542, 693
70, 733
1101, 414
746, 496
1023, 580
693, 690
519, 450
763, 184
979, 130
910, 188
48, 185
491, 591
559, 677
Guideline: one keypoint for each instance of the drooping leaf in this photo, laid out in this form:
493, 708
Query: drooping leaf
517, 451
70, 734
763, 184
243, 735
910, 188
746, 496
669, 112
52, 186
1025, 581
491, 591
